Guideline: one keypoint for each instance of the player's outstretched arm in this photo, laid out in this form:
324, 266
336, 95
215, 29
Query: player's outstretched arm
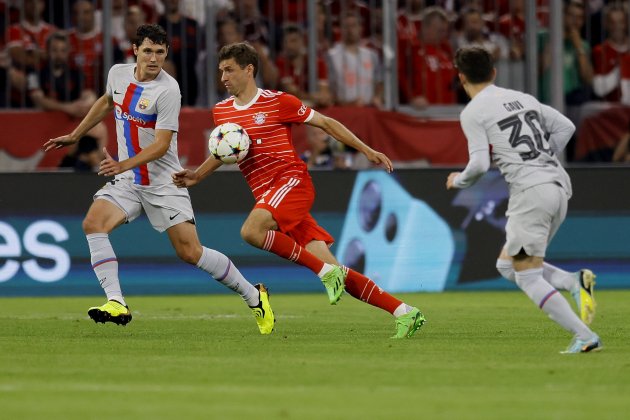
188, 177
340, 132
99, 110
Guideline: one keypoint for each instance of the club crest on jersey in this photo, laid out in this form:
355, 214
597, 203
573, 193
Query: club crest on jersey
302, 110
143, 103
260, 118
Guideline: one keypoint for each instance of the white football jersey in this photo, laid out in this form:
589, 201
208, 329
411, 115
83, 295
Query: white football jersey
518, 132
141, 108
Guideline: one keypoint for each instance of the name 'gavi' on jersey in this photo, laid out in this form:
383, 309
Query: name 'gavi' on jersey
523, 136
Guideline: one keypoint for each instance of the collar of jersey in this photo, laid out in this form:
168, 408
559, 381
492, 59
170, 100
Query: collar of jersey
250, 103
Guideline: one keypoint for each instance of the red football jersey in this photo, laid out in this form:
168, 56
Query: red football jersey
267, 120
28, 36
430, 73
87, 55
607, 58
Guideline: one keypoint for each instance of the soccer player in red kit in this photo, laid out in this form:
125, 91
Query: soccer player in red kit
280, 221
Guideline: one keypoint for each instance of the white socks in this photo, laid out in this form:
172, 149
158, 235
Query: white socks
105, 265
221, 268
402, 309
558, 278
325, 269
551, 301
506, 269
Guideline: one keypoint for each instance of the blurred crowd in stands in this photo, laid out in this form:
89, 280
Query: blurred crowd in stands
51, 51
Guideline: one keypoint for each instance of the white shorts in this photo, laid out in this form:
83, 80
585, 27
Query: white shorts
165, 205
534, 216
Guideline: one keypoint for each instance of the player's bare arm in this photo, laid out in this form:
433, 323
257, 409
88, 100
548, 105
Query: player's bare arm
110, 167
340, 132
188, 177
103, 106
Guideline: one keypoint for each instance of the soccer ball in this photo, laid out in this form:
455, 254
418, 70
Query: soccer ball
229, 143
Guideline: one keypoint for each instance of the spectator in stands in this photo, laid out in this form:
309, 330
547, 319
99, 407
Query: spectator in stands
58, 87
607, 56
512, 27
355, 71
87, 46
134, 17
578, 71
292, 65
323, 31
409, 22
116, 21
87, 156
325, 152
183, 50
253, 24
26, 45
428, 77
254, 28
474, 33
375, 38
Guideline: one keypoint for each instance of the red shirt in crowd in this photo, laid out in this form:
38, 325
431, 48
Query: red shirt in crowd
87, 55
430, 73
299, 76
605, 59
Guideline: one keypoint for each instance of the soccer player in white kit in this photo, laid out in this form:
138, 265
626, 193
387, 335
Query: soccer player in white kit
524, 138
146, 101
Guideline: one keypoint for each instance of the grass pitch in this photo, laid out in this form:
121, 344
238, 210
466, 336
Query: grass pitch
482, 355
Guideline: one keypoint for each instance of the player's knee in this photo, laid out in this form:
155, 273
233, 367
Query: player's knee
252, 236
506, 269
91, 225
188, 253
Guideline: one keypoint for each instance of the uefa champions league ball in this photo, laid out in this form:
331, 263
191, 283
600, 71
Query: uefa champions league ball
229, 143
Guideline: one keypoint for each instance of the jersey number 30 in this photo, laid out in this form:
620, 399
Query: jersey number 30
537, 145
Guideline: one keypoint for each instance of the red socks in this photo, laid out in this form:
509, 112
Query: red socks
285, 247
357, 285
364, 289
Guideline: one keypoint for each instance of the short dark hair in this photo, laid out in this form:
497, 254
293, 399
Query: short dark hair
434, 12
242, 52
291, 28
56, 36
155, 33
475, 63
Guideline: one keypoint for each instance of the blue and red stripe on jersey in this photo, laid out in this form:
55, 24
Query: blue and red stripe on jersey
130, 129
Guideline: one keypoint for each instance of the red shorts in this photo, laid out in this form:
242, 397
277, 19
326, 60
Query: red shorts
290, 200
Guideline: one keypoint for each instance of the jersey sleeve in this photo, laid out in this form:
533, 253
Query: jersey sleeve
109, 89
478, 149
475, 132
292, 110
168, 107
559, 127
478, 164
